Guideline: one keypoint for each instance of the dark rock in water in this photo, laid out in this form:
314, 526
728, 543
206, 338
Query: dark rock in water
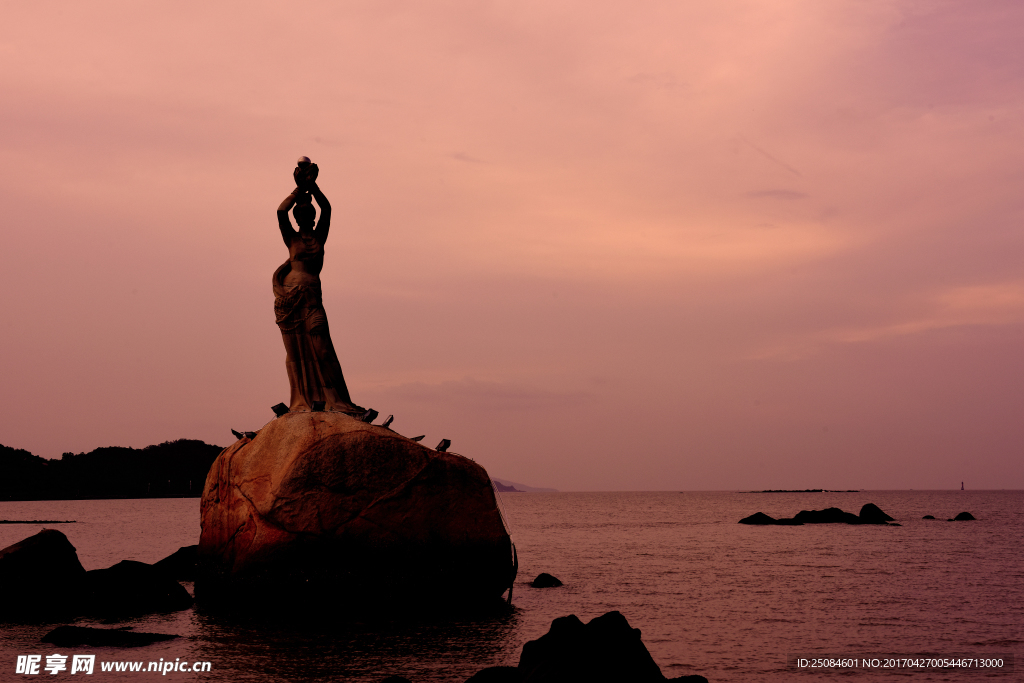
605, 649
325, 509
180, 565
963, 517
75, 636
545, 580
40, 575
869, 514
131, 587
872, 514
758, 518
928, 517
496, 674
826, 516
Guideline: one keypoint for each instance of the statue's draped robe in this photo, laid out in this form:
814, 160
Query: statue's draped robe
314, 371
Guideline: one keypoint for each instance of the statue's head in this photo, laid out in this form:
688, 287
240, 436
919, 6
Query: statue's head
304, 211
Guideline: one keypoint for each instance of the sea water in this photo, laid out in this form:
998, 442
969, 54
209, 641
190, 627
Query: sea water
725, 600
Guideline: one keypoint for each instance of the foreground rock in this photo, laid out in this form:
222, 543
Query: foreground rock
75, 636
319, 506
40, 575
131, 587
869, 514
604, 649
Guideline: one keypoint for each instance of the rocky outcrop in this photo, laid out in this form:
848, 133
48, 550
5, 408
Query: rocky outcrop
40, 575
963, 517
131, 587
872, 514
604, 649
319, 506
869, 514
826, 516
545, 580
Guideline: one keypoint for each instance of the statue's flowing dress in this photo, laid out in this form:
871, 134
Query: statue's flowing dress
314, 371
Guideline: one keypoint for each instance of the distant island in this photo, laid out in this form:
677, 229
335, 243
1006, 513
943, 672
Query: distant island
807, 491
173, 469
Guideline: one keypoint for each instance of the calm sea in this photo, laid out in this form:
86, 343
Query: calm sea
711, 596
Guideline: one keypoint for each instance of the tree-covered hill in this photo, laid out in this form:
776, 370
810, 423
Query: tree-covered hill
172, 469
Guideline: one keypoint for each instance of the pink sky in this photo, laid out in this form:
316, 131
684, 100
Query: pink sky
598, 245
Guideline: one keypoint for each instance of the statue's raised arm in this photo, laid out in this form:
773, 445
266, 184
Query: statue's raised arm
314, 372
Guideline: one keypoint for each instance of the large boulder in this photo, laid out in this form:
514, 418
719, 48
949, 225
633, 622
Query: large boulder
319, 506
40, 574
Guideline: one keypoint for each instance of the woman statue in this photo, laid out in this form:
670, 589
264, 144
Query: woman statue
314, 372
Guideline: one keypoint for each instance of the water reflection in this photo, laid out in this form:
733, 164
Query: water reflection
328, 647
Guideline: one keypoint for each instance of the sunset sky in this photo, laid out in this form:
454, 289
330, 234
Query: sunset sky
598, 245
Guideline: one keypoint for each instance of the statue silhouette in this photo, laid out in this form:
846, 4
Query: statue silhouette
314, 371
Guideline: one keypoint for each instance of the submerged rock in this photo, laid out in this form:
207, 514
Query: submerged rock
320, 506
928, 517
131, 587
40, 575
963, 517
75, 636
545, 580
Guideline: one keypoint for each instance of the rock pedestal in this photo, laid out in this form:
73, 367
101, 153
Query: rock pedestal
321, 508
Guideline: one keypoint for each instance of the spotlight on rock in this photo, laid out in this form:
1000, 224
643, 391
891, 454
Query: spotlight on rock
280, 409
387, 422
238, 435
443, 446
369, 416
418, 438
318, 406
